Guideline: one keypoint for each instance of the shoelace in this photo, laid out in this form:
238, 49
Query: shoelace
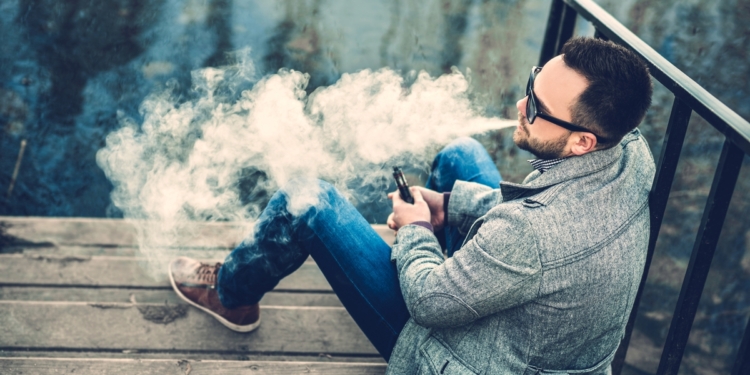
207, 273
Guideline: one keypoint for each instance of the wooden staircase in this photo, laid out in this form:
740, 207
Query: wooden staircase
75, 298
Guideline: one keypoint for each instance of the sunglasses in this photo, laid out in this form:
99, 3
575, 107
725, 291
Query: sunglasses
533, 111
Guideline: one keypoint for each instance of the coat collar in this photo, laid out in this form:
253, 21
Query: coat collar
572, 168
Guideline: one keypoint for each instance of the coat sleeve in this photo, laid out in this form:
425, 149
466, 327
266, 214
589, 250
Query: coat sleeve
470, 201
497, 269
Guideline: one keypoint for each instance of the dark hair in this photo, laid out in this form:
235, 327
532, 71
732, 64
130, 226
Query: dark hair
619, 91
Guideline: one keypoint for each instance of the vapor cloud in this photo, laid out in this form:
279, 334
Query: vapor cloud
190, 158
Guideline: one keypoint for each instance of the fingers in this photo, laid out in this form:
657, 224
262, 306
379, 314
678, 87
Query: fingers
422, 189
431, 195
395, 197
416, 193
391, 223
405, 213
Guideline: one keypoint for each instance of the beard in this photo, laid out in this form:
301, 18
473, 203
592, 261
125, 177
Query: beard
543, 150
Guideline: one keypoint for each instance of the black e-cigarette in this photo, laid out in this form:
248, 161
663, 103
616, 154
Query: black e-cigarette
403, 187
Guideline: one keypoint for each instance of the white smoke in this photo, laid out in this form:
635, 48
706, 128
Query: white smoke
187, 160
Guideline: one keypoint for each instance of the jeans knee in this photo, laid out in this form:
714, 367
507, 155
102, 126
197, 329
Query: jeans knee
327, 192
459, 148
302, 185
303, 195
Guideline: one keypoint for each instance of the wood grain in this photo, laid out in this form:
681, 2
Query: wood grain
123, 272
43, 231
44, 366
67, 287
124, 295
123, 326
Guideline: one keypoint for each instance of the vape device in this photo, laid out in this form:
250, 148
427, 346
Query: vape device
403, 187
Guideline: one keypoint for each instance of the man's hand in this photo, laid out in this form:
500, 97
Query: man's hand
428, 206
437, 210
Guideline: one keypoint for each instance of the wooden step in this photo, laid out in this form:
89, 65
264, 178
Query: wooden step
87, 326
162, 295
43, 366
43, 231
120, 272
77, 295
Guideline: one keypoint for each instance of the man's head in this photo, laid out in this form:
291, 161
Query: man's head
586, 99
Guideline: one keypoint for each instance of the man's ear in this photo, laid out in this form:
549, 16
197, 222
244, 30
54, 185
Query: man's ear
583, 143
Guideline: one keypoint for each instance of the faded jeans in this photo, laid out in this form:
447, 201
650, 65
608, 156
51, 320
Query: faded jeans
353, 257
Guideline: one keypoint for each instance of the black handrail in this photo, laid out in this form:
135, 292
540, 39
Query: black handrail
701, 101
689, 97
668, 160
742, 363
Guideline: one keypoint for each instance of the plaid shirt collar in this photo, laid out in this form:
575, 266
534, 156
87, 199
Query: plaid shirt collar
542, 165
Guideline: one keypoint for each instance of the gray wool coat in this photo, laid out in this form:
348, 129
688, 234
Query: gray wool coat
546, 278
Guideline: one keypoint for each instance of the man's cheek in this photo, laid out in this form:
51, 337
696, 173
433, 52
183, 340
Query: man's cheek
522, 123
523, 128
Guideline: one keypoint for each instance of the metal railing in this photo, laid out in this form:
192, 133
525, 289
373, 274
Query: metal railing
688, 97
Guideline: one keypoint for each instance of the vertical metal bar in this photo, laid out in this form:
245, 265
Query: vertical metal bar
742, 362
714, 214
598, 35
567, 26
665, 171
552, 31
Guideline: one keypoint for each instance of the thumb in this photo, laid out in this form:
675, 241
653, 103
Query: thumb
416, 194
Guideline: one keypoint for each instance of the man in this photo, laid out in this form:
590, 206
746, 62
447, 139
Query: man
540, 276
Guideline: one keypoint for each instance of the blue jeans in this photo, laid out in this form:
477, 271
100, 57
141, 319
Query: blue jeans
351, 255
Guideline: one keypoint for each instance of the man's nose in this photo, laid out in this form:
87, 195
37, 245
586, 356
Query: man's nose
521, 105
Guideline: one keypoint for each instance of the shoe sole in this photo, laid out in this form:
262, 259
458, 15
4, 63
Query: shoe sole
228, 324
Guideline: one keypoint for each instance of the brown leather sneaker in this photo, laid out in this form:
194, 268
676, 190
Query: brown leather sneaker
195, 282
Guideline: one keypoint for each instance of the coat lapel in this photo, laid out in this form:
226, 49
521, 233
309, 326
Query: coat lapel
572, 168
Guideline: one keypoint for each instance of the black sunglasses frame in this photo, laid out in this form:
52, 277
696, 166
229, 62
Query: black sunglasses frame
533, 111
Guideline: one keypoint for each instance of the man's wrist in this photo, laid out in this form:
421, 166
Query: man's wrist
423, 224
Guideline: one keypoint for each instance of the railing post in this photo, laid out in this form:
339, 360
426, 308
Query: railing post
712, 222
552, 31
560, 25
742, 362
665, 171
598, 35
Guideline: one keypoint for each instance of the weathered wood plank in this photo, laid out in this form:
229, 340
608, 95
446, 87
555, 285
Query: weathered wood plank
90, 251
84, 326
114, 271
124, 295
197, 356
118, 232
43, 366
